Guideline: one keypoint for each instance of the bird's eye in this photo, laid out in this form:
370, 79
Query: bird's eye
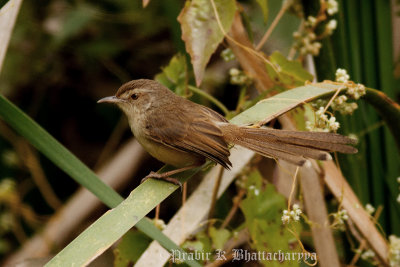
134, 96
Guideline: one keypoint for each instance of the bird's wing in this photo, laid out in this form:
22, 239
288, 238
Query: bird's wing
193, 130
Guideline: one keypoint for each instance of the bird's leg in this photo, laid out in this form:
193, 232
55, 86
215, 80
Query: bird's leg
166, 175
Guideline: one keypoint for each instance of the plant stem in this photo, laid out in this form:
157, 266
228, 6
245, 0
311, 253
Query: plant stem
209, 97
272, 27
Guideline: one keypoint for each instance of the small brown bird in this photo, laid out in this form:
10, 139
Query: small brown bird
184, 134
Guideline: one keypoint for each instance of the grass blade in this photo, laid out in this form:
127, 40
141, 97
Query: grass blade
66, 161
56, 152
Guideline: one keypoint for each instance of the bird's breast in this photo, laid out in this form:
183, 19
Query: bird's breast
160, 151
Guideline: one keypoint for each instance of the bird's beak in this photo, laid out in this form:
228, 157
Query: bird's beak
109, 99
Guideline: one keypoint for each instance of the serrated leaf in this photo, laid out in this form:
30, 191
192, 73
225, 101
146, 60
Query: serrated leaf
201, 32
264, 8
262, 209
219, 237
290, 72
130, 248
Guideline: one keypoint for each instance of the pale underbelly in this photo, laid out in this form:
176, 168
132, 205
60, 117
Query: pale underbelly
170, 155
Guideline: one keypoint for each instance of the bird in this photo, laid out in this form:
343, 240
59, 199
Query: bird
185, 134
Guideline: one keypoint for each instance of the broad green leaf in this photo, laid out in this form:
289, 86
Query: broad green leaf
262, 209
264, 8
201, 31
289, 72
274, 106
174, 75
219, 237
130, 248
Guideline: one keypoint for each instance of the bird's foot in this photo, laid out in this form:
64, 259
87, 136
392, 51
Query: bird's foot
162, 176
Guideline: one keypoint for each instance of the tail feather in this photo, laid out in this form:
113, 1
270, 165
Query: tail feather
273, 153
292, 146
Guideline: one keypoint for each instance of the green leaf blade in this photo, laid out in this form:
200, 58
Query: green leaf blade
56, 152
264, 8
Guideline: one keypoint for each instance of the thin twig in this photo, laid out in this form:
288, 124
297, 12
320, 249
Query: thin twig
214, 196
236, 203
333, 98
31, 161
363, 242
184, 197
273, 25
293, 187
157, 215
220, 262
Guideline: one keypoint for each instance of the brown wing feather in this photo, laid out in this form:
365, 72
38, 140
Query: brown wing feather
199, 134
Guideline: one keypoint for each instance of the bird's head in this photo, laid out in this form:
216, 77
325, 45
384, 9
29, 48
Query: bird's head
137, 96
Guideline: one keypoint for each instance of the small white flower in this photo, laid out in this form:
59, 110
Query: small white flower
285, 212
309, 126
311, 36
333, 7
334, 126
342, 76
369, 254
311, 21
291, 215
398, 199
340, 217
234, 72
340, 99
369, 208
398, 179
323, 117
394, 250
285, 219
320, 111
227, 55
331, 26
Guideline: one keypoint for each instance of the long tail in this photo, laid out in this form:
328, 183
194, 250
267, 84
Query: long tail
292, 146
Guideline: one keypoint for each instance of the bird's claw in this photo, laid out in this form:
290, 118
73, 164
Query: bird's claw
160, 176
